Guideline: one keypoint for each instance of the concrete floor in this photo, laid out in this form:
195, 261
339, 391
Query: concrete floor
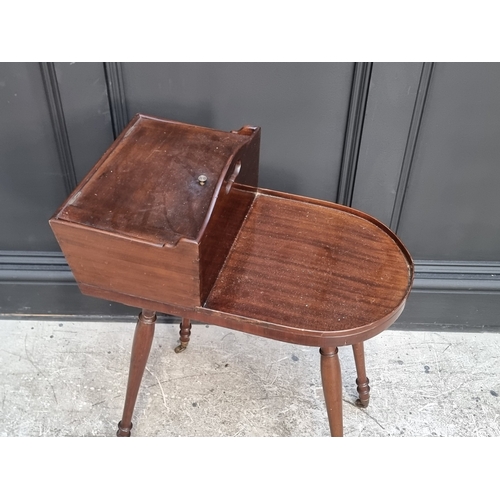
61, 378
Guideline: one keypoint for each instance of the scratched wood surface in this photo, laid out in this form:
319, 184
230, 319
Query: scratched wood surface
140, 229
312, 266
147, 186
143, 224
304, 271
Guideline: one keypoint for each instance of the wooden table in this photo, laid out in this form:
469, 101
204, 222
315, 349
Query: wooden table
293, 269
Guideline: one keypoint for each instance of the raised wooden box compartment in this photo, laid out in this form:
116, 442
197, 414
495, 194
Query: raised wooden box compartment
156, 217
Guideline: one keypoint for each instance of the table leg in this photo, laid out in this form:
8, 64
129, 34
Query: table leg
184, 335
362, 380
332, 388
143, 338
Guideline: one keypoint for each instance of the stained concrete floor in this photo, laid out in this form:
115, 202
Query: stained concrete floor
60, 378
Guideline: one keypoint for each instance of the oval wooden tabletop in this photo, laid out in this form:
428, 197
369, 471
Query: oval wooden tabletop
313, 269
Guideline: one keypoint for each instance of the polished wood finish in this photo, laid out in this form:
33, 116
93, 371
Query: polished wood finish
318, 271
386, 283
362, 381
218, 238
332, 388
116, 263
143, 338
288, 279
143, 230
135, 193
142, 215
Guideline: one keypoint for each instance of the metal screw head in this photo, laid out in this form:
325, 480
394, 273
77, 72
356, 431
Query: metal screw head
202, 179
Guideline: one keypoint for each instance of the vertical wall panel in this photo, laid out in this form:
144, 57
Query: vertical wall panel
434, 174
83, 93
353, 132
31, 180
393, 89
302, 109
452, 206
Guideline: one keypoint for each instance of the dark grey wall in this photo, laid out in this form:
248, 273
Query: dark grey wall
31, 178
414, 144
429, 168
36, 176
84, 98
392, 95
302, 109
452, 205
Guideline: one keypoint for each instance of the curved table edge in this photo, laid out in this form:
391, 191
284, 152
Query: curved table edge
252, 326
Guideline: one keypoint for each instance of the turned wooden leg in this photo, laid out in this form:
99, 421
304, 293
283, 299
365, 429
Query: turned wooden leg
362, 380
184, 335
332, 387
141, 346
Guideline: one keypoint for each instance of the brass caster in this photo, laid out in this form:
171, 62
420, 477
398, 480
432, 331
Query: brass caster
122, 431
181, 347
361, 404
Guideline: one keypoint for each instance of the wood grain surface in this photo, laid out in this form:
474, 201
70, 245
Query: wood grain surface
147, 187
142, 223
311, 267
304, 271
